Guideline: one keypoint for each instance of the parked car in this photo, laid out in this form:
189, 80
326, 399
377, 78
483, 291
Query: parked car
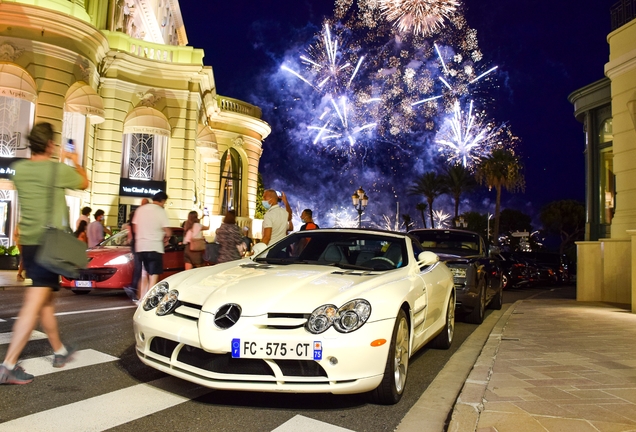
477, 275
516, 271
110, 264
559, 264
323, 311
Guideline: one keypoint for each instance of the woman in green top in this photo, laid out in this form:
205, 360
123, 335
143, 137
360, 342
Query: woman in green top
32, 181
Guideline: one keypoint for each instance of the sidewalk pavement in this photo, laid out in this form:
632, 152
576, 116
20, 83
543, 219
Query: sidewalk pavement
553, 364
8, 279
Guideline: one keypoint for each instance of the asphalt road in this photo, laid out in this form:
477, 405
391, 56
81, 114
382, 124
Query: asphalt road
111, 387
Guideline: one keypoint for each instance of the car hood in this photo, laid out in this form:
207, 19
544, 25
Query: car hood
260, 289
100, 255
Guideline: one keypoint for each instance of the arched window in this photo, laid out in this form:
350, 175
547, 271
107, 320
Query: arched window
231, 176
82, 103
17, 107
145, 142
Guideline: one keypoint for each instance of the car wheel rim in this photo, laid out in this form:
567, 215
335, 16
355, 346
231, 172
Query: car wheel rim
401, 359
451, 318
504, 281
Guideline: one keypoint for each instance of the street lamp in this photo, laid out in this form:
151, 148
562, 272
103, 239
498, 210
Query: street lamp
461, 223
360, 201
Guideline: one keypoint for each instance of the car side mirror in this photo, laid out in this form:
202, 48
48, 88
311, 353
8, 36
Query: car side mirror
427, 258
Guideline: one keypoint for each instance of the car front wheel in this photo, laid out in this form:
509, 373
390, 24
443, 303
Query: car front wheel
445, 338
477, 315
390, 390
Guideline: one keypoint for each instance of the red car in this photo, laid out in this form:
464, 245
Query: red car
110, 264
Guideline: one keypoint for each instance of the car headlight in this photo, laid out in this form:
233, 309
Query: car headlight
351, 316
155, 295
122, 259
168, 303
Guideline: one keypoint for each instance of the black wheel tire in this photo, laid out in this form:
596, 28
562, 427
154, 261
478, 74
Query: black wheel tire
444, 340
497, 301
504, 281
390, 390
477, 314
80, 292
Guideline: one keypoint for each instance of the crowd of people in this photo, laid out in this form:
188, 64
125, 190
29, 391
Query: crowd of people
148, 233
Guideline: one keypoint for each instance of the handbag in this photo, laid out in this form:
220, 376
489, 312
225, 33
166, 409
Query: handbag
211, 253
59, 251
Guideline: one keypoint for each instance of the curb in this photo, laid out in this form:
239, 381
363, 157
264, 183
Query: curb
469, 404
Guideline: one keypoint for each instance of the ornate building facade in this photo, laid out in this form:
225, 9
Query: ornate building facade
606, 268
117, 77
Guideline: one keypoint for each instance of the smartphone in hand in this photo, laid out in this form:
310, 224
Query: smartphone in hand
206, 212
70, 146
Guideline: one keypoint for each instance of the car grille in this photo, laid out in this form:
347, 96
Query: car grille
225, 364
97, 274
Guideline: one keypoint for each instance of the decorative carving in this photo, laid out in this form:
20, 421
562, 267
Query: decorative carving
85, 70
10, 52
149, 98
238, 141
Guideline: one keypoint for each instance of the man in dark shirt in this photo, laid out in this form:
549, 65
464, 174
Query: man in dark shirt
307, 218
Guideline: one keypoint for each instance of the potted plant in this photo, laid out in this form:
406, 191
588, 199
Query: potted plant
9, 257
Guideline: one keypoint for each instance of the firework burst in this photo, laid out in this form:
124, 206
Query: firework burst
421, 17
465, 138
441, 219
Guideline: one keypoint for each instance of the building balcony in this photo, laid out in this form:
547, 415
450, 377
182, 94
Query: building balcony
153, 51
622, 12
236, 106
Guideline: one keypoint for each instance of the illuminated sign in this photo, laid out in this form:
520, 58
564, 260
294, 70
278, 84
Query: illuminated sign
5, 170
140, 188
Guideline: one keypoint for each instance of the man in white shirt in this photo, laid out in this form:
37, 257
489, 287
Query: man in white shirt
277, 221
151, 227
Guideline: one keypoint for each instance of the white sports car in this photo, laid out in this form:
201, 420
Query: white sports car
323, 311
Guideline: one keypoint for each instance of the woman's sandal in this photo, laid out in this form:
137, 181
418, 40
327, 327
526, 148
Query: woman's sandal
20, 278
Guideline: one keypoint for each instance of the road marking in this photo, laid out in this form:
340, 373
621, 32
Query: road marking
91, 311
5, 338
300, 423
122, 406
44, 365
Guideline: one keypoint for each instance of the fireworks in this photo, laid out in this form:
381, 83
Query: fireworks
421, 17
345, 115
441, 219
464, 137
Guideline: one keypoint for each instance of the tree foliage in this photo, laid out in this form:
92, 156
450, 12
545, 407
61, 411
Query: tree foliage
502, 169
430, 185
260, 189
565, 218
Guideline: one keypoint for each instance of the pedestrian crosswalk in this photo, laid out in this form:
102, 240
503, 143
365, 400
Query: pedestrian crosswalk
118, 407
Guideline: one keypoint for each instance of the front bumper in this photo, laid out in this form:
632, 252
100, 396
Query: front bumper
193, 349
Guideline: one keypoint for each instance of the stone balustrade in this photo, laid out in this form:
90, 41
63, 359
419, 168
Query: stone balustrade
237, 106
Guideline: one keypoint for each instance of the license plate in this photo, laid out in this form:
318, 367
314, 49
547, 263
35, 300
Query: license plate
83, 284
294, 350
458, 272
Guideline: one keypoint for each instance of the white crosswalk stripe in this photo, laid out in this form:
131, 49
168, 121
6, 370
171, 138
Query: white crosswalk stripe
5, 338
44, 365
123, 406
300, 423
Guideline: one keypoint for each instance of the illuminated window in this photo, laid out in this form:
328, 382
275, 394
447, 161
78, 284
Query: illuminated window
606, 133
231, 175
143, 156
16, 120
75, 128
607, 186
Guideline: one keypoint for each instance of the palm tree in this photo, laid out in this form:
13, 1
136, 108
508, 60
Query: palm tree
431, 186
501, 169
458, 180
421, 207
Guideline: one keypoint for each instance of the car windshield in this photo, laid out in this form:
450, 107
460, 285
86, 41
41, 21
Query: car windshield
451, 242
346, 250
119, 239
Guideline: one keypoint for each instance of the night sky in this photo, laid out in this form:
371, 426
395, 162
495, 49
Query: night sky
544, 50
